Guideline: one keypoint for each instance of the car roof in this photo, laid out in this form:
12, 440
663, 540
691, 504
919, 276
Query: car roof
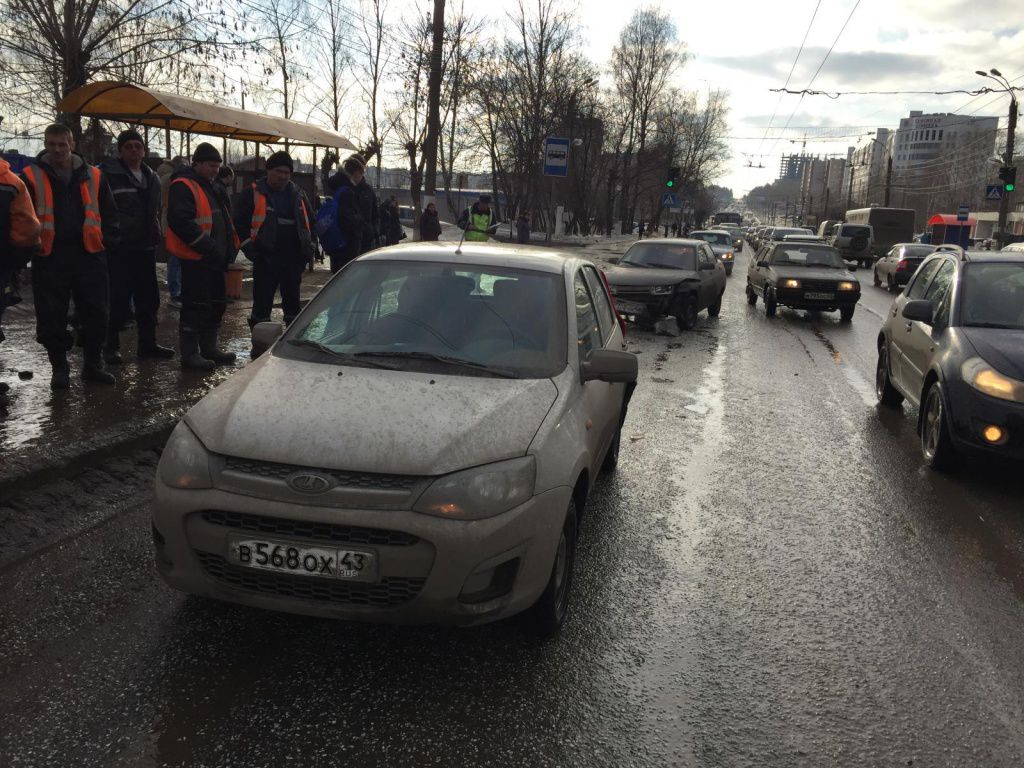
477, 255
1011, 257
673, 240
705, 231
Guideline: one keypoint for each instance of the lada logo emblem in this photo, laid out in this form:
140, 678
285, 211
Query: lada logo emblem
308, 482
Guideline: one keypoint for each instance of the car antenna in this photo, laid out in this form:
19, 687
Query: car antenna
458, 248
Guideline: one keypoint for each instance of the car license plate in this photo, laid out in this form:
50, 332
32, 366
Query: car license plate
630, 307
819, 296
303, 560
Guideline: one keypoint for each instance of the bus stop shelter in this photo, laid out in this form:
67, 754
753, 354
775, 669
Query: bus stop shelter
946, 229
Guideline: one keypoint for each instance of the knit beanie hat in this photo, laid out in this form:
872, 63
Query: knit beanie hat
130, 135
279, 160
206, 152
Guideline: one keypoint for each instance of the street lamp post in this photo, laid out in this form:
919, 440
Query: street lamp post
1011, 129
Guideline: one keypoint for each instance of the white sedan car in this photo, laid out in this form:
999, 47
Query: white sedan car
417, 447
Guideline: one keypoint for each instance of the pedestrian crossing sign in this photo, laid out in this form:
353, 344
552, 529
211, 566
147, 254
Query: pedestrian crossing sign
994, 192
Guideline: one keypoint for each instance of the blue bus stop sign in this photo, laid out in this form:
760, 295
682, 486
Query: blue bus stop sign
556, 157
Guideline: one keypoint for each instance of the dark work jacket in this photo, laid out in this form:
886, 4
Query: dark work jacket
430, 226
390, 224
369, 209
267, 242
139, 204
68, 210
217, 247
350, 214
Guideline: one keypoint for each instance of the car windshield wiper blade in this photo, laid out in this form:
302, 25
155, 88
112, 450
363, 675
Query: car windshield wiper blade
445, 359
993, 325
346, 356
663, 266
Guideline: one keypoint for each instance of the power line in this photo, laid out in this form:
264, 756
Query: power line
836, 94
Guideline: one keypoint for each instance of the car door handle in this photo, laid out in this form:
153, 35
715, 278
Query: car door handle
910, 327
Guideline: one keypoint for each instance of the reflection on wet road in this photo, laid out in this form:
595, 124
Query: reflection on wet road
771, 579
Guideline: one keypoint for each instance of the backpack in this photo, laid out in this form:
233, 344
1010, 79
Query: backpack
332, 239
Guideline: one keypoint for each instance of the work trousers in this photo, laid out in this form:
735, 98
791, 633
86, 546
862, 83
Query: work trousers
173, 276
133, 279
281, 271
343, 257
203, 297
56, 279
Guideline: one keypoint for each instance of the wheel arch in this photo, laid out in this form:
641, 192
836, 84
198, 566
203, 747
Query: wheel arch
930, 378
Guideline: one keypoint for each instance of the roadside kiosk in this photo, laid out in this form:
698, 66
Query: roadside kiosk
945, 228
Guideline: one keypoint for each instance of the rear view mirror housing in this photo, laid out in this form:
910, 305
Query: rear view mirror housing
919, 310
263, 337
610, 365
614, 260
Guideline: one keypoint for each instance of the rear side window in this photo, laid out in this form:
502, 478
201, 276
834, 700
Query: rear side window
920, 281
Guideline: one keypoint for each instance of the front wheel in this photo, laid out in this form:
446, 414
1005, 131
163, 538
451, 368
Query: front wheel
770, 305
547, 616
686, 313
886, 393
751, 296
936, 445
846, 314
715, 309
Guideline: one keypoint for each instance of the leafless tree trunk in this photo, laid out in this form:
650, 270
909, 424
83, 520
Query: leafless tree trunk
375, 51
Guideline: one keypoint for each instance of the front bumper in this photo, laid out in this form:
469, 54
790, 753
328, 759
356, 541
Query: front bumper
643, 303
971, 411
796, 299
430, 570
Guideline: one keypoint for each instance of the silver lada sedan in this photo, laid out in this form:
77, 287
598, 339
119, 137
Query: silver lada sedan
417, 447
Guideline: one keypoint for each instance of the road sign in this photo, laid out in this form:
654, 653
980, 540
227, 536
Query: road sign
994, 192
670, 200
963, 212
556, 156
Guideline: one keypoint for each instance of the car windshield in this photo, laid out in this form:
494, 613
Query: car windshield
715, 238
428, 316
664, 255
807, 256
916, 251
993, 295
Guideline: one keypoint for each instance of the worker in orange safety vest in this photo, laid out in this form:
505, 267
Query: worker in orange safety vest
79, 221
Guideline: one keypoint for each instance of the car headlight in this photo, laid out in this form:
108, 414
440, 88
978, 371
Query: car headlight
727, 256
986, 379
847, 285
790, 283
185, 463
480, 492
661, 290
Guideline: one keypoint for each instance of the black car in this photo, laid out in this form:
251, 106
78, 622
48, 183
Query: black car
802, 276
953, 346
678, 277
898, 265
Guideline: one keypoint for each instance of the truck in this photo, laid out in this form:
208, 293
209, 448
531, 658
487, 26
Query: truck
889, 226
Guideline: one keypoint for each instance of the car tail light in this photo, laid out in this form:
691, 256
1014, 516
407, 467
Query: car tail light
611, 298
903, 265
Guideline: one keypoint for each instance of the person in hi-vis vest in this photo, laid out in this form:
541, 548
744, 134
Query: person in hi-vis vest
478, 220
200, 233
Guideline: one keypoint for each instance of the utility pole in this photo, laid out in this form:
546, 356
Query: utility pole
433, 105
888, 180
1004, 201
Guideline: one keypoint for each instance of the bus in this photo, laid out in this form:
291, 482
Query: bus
889, 226
727, 217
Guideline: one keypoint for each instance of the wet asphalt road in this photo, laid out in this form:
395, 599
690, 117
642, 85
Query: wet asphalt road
771, 579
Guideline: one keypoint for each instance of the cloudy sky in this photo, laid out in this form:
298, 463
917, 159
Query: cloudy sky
749, 46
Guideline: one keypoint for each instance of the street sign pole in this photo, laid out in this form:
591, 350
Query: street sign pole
556, 165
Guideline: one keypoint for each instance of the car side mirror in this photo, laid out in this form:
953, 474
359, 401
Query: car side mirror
919, 310
614, 260
707, 265
610, 365
263, 337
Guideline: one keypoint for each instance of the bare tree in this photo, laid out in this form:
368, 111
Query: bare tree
409, 115
375, 50
333, 59
285, 25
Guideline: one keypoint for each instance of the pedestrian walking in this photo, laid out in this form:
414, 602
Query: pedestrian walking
640, 230
391, 222
131, 265
478, 221
523, 227
200, 233
19, 238
369, 211
348, 220
276, 215
165, 170
430, 224
79, 222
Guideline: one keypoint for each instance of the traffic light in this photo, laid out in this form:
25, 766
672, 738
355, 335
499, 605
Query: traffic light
673, 177
1008, 175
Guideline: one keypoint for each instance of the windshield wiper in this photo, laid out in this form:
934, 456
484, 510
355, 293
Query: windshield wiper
663, 266
346, 356
445, 359
993, 325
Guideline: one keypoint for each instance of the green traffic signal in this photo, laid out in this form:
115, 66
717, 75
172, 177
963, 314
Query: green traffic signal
1010, 187
670, 183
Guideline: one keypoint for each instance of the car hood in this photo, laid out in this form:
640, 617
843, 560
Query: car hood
369, 420
629, 276
1001, 348
813, 273
720, 249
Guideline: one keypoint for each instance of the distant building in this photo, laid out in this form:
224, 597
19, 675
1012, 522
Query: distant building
791, 167
868, 168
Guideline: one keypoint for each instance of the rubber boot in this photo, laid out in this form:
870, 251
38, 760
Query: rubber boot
112, 349
92, 367
149, 348
190, 357
208, 347
61, 378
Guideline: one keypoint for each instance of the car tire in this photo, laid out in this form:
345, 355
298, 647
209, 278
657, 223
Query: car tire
751, 296
728, 271
715, 309
887, 394
686, 313
936, 444
846, 314
611, 459
878, 280
891, 285
548, 615
770, 305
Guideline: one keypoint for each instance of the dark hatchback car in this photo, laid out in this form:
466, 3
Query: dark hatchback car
678, 277
953, 346
802, 276
898, 265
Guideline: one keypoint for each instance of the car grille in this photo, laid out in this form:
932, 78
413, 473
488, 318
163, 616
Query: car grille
363, 480
391, 591
302, 529
819, 285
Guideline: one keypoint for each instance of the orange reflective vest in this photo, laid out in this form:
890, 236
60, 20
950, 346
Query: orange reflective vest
204, 218
42, 193
259, 212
